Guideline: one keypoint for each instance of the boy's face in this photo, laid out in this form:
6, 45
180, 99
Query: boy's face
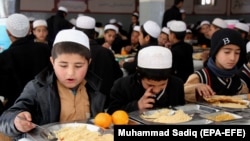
162, 39
109, 36
157, 86
143, 40
227, 57
70, 69
40, 33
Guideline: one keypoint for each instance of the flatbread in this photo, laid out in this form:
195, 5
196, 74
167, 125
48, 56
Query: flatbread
227, 101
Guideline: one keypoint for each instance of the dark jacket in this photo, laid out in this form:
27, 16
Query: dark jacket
19, 64
183, 65
128, 90
171, 14
105, 66
40, 97
244, 73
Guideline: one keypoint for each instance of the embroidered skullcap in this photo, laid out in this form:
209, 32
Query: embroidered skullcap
112, 27
72, 35
18, 25
178, 26
224, 37
152, 28
85, 22
188, 31
136, 14
219, 22
204, 23
112, 21
169, 23
248, 46
155, 57
62, 8
40, 22
242, 26
165, 30
137, 28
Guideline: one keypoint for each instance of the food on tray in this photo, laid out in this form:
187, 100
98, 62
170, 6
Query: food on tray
77, 133
167, 116
120, 56
221, 117
227, 101
197, 56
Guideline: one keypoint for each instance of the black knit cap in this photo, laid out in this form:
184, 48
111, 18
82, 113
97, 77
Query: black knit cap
224, 37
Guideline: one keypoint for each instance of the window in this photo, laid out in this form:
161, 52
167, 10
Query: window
205, 2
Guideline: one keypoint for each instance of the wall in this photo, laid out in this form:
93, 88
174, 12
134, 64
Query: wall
226, 9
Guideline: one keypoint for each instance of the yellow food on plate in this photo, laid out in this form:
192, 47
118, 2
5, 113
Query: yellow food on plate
167, 116
221, 117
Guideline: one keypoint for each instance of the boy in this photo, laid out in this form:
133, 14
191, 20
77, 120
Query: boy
218, 77
245, 69
163, 38
40, 31
151, 86
66, 94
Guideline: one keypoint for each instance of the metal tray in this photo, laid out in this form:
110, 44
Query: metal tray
37, 134
236, 122
197, 109
208, 116
136, 116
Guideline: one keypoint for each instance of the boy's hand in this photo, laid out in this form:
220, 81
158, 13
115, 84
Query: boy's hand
204, 90
25, 124
147, 100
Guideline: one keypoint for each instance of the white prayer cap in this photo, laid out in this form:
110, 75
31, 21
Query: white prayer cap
169, 23
155, 57
136, 14
112, 21
219, 22
152, 28
188, 31
242, 26
248, 46
205, 22
85, 22
73, 21
18, 25
137, 28
112, 27
31, 19
40, 22
178, 26
80, 14
165, 30
62, 8
120, 23
72, 35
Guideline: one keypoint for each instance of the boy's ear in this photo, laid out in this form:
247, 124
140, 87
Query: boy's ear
147, 38
51, 60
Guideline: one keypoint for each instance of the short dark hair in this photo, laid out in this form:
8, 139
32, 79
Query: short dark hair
154, 74
179, 35
70, 48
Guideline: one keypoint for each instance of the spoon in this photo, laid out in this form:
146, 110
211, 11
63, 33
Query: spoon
47, 133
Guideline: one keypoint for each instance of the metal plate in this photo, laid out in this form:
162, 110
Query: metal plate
37, 134
196, 120
197, 109
213, 115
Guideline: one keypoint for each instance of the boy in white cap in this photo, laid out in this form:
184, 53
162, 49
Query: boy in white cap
244, 30
182, 52
110, 33
244, 71
152, 86
163, 37
67, 93
103, 62
148, 35
219, 76
22, 60
40, 31
134, 22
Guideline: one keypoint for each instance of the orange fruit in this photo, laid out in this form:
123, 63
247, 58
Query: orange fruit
103, 120
120, 117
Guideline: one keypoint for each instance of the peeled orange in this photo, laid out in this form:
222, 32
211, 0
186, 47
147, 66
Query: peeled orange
103, 120
120, 117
